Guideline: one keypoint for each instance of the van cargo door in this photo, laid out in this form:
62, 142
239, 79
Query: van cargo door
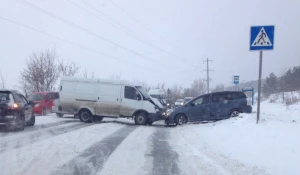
108, 100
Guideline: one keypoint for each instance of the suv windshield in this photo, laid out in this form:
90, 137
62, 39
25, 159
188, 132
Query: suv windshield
36, 97
143, 92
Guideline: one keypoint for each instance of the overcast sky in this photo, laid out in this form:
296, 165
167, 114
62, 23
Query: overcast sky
184, 33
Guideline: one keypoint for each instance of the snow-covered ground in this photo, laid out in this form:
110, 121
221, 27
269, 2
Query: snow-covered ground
234, 146
240, 146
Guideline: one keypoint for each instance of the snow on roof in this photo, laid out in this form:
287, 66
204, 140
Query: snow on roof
97, 80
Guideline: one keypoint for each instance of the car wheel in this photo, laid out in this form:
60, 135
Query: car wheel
181, 119
85, 116
59, 115
44, 112
31, 121
140, 119
234, 113
22, 124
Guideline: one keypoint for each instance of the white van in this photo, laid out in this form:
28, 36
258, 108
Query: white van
97, 98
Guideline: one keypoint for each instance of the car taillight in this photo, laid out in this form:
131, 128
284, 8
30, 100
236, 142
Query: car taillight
15, 105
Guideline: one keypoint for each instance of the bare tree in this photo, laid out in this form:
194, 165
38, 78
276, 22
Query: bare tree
116, 76
175, 93
198, 87
68, 68
41, 72
219, 88
2, 81
85, 74
144, 84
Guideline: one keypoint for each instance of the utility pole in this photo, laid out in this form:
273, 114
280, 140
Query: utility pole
207, 73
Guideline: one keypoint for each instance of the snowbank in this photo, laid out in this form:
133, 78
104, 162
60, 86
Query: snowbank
239, 145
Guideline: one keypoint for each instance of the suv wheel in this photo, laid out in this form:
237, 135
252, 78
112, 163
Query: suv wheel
141, 119
85, 116
234, 113
181, 119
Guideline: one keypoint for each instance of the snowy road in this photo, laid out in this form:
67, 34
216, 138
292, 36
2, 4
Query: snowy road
67, 146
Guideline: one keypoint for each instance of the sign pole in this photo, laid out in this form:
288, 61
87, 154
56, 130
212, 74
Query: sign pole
259, 85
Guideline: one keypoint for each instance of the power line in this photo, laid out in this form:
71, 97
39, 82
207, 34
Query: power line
78, 45
142, 24
89, 32
137, 36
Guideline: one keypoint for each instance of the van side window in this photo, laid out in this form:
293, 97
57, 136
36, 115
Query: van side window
130, 93
218, 98
201, 100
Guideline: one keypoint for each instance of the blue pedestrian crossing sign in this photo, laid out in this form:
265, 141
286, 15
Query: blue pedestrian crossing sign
236, 79
262, 38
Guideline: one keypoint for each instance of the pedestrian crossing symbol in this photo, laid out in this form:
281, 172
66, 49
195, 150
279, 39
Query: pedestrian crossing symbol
262, 38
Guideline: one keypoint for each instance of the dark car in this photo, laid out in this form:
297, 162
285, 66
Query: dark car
213, 106
15, 111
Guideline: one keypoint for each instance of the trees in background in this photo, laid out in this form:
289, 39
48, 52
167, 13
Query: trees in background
43, 70
289, 81
2, 81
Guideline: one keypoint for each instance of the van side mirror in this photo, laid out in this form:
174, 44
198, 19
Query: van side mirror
138, 97
192, 104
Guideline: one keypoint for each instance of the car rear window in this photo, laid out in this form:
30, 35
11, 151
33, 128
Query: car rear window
4, 96
36, 97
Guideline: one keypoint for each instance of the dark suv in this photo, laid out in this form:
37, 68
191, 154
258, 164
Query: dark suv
213, 106
15, 110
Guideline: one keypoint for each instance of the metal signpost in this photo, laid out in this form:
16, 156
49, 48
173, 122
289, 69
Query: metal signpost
236, 80
261, 38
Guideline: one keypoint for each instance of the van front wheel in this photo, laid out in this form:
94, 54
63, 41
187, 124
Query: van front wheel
141, 119
85, 116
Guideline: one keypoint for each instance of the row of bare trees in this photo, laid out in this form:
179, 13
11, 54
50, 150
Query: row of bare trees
43, 70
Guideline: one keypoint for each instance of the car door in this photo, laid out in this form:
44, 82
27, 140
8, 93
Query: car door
199, 109
22, 104
131, 101
27, 108
220, 106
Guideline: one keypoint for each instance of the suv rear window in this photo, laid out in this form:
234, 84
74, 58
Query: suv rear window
4, 96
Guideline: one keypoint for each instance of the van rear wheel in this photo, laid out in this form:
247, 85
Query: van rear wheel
141, 119
85, 116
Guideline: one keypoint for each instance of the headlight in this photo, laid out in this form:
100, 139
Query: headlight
181, 103
37, 105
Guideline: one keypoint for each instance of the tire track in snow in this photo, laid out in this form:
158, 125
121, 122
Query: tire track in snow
164, 158
40, 136
92, 159
34, 128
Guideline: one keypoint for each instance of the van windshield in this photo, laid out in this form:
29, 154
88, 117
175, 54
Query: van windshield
143, 92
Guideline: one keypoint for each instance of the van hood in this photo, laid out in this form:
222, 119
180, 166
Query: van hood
157, 103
